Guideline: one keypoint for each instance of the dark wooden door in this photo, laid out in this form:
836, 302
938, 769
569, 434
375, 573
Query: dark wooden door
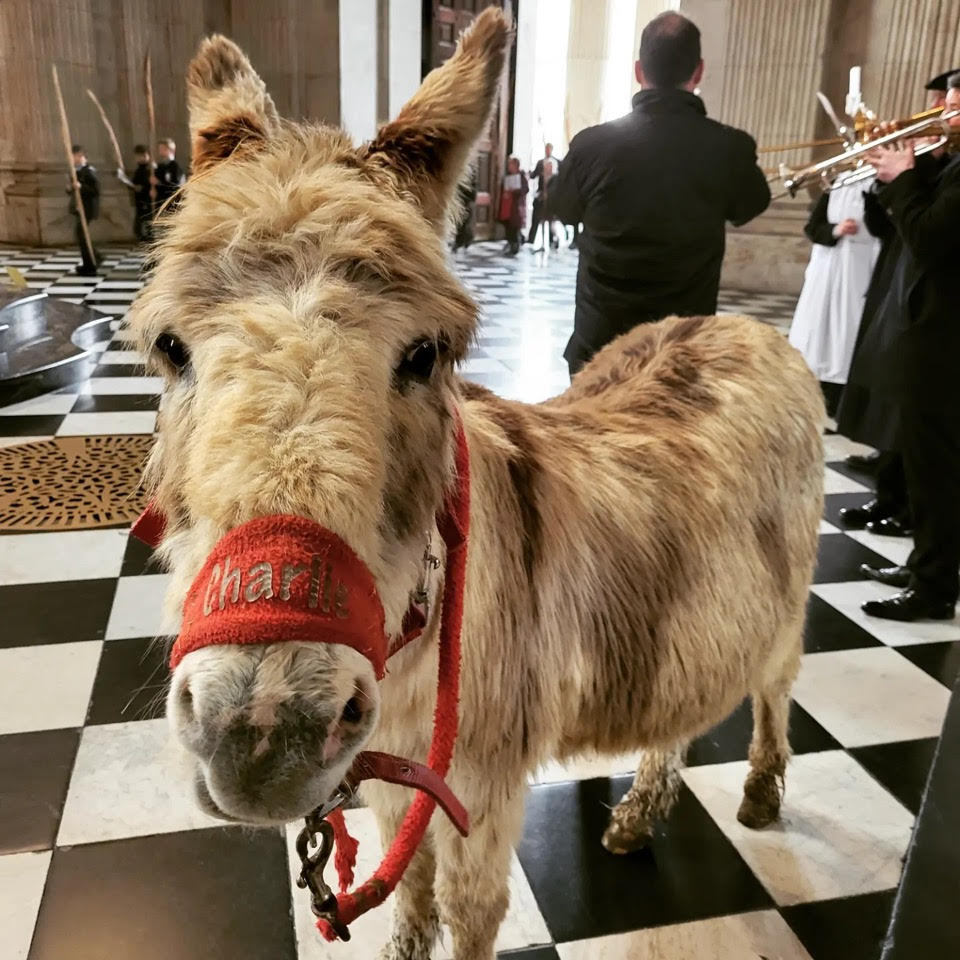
446, 22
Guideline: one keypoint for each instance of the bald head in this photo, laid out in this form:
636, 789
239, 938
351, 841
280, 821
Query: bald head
670, 53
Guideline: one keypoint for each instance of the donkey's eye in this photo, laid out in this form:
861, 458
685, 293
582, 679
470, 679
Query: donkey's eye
173, 349
420, 359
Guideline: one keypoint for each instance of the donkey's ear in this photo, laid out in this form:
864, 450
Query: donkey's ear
230, 109
430, 142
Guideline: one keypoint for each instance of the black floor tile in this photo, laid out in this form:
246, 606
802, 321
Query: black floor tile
138, 559
114, 403
849, 929
866, 477
901, 767
534, 953
691, 871
730, 740
197, 895
119, 370
59, 612
940, 660
839, 559
131, 682
34, 775
834, 502
828, 629
34, 425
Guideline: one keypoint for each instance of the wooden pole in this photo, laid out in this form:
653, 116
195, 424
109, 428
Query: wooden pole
152, 117
68, 147
110, 133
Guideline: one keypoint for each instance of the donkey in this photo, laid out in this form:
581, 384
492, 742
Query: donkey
640, 546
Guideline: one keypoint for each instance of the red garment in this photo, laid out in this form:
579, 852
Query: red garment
513, 207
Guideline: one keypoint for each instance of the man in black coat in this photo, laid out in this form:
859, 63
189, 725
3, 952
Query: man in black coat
917, 363
546, 169
654, 191
168, 176
90, 198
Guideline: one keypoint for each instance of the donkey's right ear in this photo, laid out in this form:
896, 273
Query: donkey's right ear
230, 109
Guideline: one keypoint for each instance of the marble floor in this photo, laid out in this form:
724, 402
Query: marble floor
103, 855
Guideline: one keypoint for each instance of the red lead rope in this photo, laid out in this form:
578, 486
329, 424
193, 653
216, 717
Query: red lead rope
454, 526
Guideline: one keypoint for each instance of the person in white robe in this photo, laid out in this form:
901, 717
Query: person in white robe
827, 317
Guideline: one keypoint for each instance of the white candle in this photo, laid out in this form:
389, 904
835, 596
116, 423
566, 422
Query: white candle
854, 94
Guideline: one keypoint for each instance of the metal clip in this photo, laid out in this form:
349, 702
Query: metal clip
323, 902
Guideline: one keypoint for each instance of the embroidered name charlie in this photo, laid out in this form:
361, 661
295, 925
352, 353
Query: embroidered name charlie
260, 582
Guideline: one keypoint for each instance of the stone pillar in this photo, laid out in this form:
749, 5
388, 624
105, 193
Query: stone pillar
586, 54
102, 44
358, 67
406, 36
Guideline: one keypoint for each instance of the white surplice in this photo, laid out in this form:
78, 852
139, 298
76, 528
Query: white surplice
827, 317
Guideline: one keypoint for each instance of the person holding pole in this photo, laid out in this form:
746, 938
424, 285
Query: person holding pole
90, 199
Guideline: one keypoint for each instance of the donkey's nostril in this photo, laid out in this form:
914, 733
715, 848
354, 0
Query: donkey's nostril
353, 711
186, 700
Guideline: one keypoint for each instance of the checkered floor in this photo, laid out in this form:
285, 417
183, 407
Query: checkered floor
104, 854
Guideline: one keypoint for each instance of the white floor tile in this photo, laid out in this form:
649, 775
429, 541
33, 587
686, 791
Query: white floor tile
129, 780
95, 424
121, 356
482, 365
837, 447
103, 386
840, 833
22, 878
870, 695
46, 687
124, 296
71, 555
138, 607
584, 768
523, 926
746, 936
826, 527
847, 597
49, 403
834, 482
895, 549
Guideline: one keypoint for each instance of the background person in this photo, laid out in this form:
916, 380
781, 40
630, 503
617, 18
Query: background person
139, 185
168, 176
547, 167
654, 190
513, 204
90, 198
827, 316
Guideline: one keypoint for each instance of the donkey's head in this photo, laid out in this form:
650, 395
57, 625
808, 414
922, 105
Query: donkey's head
307, 326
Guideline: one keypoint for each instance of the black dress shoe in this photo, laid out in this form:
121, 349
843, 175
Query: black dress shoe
865, 462
856, 518
909, 606
891, 576
890, 527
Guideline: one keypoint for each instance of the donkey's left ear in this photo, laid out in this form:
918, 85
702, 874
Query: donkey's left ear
427, 147
230, 109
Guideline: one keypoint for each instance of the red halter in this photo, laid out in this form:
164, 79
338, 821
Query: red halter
284, 577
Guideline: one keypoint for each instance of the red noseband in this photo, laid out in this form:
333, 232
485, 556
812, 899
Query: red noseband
283, 578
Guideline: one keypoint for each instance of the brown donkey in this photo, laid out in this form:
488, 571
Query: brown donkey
640, 546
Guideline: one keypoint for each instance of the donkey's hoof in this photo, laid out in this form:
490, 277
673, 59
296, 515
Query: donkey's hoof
622, 840
758, 813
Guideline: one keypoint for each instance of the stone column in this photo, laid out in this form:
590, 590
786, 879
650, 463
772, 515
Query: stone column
102, 44
586, 54
358, 67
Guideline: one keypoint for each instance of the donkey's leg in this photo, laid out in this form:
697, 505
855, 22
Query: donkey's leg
415, 922
647, 802
473, 876
769, 750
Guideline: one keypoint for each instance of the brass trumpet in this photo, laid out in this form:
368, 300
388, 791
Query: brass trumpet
851, 166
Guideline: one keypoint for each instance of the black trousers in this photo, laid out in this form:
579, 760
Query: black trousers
536, 219
88, 264
892, 498
143, 226
931, 457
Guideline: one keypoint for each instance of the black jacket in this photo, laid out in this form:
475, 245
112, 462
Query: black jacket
89, 192
170, 176
537, 174
916, 332
654, 191
141, 183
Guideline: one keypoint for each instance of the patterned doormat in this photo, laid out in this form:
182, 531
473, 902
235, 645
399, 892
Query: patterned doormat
72, 483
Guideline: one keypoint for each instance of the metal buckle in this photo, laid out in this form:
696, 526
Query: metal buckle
323, 901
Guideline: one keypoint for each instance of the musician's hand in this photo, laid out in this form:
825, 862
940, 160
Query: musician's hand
154, 182
892, 160
846, 228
